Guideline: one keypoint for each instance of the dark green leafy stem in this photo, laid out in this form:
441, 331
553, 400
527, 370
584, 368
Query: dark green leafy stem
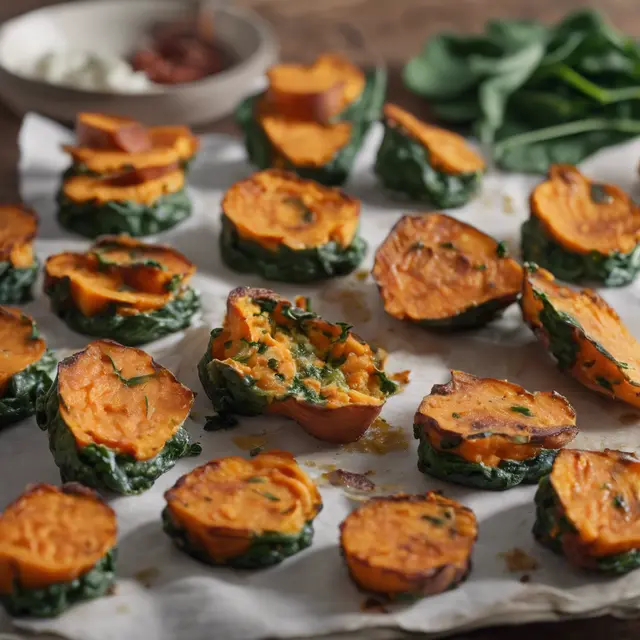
551, 526
51, 601
612, 270
537, 94
92, 219
129, 330
24, 388
98, 466
362, 113
446, 465
16, 283
403, 166
286, 264
266, 549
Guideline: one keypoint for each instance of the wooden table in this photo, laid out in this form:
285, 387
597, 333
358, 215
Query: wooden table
393, 30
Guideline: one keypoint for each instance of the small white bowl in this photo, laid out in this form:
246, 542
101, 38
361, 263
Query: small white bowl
117, 28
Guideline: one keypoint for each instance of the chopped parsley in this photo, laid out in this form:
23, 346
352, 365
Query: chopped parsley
255, 479
433, 520
272, 363
255, 451
501, 250
416, 246
455, 415
447, 245
480, 267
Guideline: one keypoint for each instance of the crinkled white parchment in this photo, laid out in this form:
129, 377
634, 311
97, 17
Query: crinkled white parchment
164, 595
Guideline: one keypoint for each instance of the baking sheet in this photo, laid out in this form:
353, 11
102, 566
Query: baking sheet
165, 595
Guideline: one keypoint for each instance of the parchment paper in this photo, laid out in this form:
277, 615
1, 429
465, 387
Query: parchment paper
163, 594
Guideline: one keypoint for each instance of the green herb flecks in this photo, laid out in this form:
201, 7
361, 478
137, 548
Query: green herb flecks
599, 195
501, 250
619, 502
525, 411
447, 245
438, 522
131, 382
267, 495
307, 214
255, 479
480, 267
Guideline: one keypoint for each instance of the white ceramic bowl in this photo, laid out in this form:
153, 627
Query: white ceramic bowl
115, 27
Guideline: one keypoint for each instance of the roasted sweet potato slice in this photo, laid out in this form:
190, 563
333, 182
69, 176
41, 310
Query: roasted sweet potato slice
443, 273
448, 151
275, 208
415, 545
491, 433
178, 138
588, 509
18, 228
153, 268
19, 343
302, 143
582, 230
120, 272
53, 535
101, 131
86, 188
584, 216
586, 336
317, 92
273, 357
243, 513
121, 398
104, 161
287, 228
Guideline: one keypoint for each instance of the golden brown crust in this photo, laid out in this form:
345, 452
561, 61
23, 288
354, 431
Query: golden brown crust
432, 267
275, 208
448, 151
495, 420
565, 206
408, 544
599, 494
224, 504
53, 534
121, 398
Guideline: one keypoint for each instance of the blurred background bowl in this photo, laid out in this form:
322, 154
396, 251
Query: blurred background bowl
118, 28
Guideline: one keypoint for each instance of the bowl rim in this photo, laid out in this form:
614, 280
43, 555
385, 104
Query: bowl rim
267, 47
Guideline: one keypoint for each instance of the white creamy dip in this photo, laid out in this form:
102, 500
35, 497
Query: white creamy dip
84, 70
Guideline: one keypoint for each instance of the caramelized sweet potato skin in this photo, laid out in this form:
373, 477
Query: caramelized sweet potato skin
101, 131
448, 151
121, 398
320, 374
316, 92
587, 337
440, 272
178, 138
275, 208
265, 495
415, 545
484, 420
52, 535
